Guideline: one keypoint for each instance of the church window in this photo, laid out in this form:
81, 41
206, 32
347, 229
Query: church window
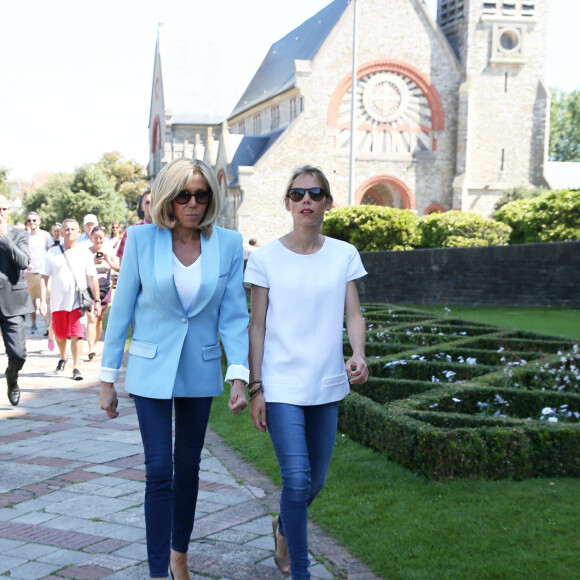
241, 128
295, 107
257, 124
509, 8
392, 115
450, 11
274, 117
489, 7
528, 8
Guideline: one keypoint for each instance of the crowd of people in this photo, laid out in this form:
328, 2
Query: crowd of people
51, 270
181, 291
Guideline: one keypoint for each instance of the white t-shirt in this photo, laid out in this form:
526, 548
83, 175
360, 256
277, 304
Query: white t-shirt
187, 281
303, 360
38, 245
63, 295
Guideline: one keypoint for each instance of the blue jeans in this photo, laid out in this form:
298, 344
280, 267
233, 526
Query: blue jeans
172, 475
303, 439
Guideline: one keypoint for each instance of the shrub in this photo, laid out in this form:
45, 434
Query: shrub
455, 229
550, 217
372, 228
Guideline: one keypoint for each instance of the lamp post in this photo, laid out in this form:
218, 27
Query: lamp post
352, 108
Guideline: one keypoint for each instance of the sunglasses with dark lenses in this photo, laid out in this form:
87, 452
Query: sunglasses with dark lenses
202, 197
315, 193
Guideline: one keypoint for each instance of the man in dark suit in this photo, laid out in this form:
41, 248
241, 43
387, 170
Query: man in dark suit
15, 302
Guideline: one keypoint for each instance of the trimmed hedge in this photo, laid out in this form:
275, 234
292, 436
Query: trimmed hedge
549, 217
457, 229
372, 228
489, 417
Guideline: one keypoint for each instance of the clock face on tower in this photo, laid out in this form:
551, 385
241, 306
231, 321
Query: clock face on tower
392, 115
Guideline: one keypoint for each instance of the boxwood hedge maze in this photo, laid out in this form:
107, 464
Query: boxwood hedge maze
449, 398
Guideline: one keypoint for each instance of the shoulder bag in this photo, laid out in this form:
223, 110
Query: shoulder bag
85, 300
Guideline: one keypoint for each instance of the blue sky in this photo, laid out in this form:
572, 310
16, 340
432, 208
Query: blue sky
76, 74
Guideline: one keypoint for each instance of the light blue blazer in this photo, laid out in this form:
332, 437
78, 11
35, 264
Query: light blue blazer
173, 352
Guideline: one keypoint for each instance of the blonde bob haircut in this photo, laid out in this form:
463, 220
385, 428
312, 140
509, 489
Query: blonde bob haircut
174, 178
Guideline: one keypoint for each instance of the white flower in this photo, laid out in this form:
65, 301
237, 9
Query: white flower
471, 361
456, 400
548, 411
433, 405
501, 349
552, 419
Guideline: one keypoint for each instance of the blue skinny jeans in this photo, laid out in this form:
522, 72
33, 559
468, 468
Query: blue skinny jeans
171, 474
303, 440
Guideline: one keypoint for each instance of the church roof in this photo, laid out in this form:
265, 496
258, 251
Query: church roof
276, 73
195, 73
249, 149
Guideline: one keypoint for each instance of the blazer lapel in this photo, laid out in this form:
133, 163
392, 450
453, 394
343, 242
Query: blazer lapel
210, 271
163, 265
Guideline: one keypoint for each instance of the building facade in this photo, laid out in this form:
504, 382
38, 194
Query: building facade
447, 114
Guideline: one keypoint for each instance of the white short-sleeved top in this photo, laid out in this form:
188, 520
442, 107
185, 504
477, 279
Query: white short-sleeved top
303, 360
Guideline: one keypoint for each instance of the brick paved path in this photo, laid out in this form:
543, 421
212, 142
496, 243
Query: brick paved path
72, 487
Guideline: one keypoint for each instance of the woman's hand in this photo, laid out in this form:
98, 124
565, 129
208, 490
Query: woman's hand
108, 400
258, 412
237, 402
356, 369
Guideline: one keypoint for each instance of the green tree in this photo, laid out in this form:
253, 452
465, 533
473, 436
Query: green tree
128, 178
87, 190
565, 126
4, 186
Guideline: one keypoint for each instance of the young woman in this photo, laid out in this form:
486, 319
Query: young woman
116, 235
106, 265
180, 286
303, 285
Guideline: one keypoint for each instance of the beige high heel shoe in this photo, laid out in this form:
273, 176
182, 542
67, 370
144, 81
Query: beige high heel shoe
281, 557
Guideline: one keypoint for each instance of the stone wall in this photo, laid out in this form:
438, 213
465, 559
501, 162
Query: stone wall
523, 275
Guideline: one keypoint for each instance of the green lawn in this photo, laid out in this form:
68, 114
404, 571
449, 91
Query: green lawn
558, 321
407, 528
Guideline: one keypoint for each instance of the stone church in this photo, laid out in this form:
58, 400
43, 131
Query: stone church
448, 114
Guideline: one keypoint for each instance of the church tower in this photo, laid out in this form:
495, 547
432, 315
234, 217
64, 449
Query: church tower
503, 112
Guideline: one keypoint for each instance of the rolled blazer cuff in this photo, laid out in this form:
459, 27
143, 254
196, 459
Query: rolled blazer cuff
109, 375
237, 372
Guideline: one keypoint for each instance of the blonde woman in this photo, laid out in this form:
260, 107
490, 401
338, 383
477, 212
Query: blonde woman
180, 285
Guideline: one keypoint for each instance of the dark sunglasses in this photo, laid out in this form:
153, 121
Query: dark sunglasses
315, 193
29, 220
202, 197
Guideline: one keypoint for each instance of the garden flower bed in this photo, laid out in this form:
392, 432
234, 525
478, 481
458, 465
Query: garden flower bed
482, 402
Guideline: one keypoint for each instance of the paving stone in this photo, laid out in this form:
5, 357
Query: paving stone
8, 562
30, 551
32, 570
134, 551
63, 557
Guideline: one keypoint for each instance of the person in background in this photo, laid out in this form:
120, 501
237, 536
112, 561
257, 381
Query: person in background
15, 301
39, 242
146, 207
116, 236
114, 242
302, 288
56, 232
89, 222
250, 247
180, 287
105, 265
69, 266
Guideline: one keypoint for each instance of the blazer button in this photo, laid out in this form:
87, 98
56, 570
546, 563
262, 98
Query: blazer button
184, 320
